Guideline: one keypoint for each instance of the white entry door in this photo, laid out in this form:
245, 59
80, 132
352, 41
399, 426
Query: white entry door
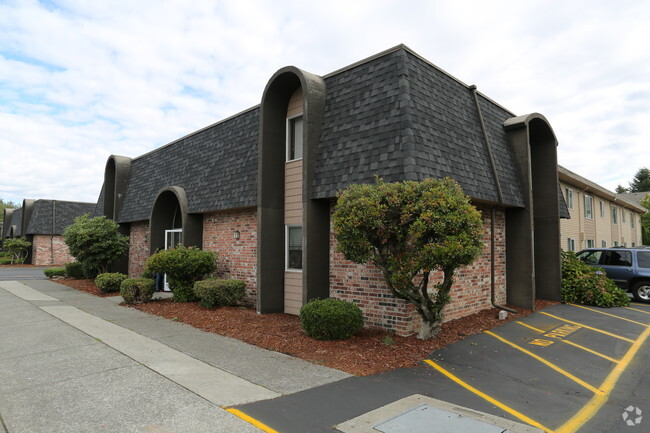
172, 239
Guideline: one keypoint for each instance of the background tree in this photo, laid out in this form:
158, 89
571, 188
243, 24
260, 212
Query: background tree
18, 247
640, 182
645, 220
95, 242
620, 189
6, 204
408, 230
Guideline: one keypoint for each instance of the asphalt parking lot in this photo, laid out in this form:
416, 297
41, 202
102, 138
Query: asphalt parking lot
568, 368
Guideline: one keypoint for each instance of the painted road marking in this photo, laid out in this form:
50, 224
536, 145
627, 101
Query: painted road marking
241, 415
571, 343
636, 309
547, 363
495, 402
588, 327
598, 400
639, 304
610, 315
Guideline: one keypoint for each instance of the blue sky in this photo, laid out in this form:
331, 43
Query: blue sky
81, 80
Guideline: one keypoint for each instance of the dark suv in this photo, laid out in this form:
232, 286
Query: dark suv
628, 267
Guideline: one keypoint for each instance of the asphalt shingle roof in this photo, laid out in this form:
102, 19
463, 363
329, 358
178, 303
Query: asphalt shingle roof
53, 216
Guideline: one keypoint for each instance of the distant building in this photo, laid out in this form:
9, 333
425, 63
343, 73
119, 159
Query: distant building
599, 217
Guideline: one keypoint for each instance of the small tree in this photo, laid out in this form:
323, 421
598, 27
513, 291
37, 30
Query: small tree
95, 242
183, 267
645, 220
19, 248
408, 230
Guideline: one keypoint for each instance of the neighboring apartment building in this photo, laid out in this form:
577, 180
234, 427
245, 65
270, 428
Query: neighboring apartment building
42, 222
259, 187
599, 217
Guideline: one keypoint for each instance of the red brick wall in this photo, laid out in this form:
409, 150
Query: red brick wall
364, 285
138, 248
237, 257
50, 250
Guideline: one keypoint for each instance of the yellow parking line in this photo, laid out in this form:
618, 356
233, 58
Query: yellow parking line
636, 309
598, 400
548, 364
484, 396
639, 304
588, 327
250, 420
610, 315
571, 343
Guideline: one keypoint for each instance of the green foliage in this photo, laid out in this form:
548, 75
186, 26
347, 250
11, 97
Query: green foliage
330, 319
645, 220
7, 205
137, 290
54, 272
110, 282
18, 248
584, 284
75, 270
213, 293
95, 242
183, 267
410, 229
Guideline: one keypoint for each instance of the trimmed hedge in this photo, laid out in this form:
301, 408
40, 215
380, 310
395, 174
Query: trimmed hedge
330, 319
137, 290
4, 261
110, 282
213, 293
54, 272
584, 284
75, 270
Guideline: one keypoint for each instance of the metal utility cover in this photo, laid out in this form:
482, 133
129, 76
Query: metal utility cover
428, 419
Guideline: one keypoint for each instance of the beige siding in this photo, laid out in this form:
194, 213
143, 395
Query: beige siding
292, 292
295, 106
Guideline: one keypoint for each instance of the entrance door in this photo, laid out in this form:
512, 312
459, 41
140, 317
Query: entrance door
172, 239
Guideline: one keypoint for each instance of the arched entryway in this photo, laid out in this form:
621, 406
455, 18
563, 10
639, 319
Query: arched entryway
171, 224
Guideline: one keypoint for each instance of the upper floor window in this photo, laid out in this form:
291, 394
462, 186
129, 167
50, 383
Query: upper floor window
632, 218
569, 198
589, 207
603, 244
571, 244
622, 215
614, 215
602, 209
294, 137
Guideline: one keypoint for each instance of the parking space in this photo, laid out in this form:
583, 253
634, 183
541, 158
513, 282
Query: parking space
568, 368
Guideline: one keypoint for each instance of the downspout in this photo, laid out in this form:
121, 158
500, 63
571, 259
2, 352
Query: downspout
493, 208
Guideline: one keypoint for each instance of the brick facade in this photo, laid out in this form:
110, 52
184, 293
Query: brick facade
237, 257
364, 285
138, 248
50, 250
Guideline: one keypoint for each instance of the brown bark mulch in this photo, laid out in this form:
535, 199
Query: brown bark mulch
368, 352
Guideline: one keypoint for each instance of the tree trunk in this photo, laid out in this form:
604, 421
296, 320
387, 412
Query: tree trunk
428, 330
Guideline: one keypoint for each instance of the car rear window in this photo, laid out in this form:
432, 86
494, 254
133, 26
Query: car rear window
644, 259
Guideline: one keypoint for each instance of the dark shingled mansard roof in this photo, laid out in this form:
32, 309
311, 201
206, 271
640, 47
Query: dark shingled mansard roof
394, 115
16, 220
53, 216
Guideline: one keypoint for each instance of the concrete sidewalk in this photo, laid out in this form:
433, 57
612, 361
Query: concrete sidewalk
72, 362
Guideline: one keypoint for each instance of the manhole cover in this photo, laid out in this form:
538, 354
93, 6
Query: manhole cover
428, 419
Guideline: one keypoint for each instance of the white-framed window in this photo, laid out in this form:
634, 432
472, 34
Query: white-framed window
614, 216
571, 244
589, 207
632, 218
615, 243
633, 244
294, 137
624, 244
603, 244
293, 253
591, 243
602, 209
623, 212
569, 198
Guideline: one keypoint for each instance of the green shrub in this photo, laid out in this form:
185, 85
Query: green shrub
137, 290
5, 261
213, 293
110, 282
330, 319
183, 267
75, 270
54, 272
584, 284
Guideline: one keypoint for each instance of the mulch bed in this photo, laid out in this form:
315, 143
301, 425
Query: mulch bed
368, 352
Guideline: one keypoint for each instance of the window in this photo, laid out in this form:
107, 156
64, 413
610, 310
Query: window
591, 243
569, 198
603, 244
602, 209
643, 257
294, 138
623, 215
571, 244
624, 244
614, 215
632, 218
591, 257
294, 248
633, 244
616, 258
589, 207
615, 243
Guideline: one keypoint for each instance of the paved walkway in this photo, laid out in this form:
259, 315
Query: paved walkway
72, 362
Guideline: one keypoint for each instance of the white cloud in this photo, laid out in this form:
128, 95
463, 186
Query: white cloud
82, 80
